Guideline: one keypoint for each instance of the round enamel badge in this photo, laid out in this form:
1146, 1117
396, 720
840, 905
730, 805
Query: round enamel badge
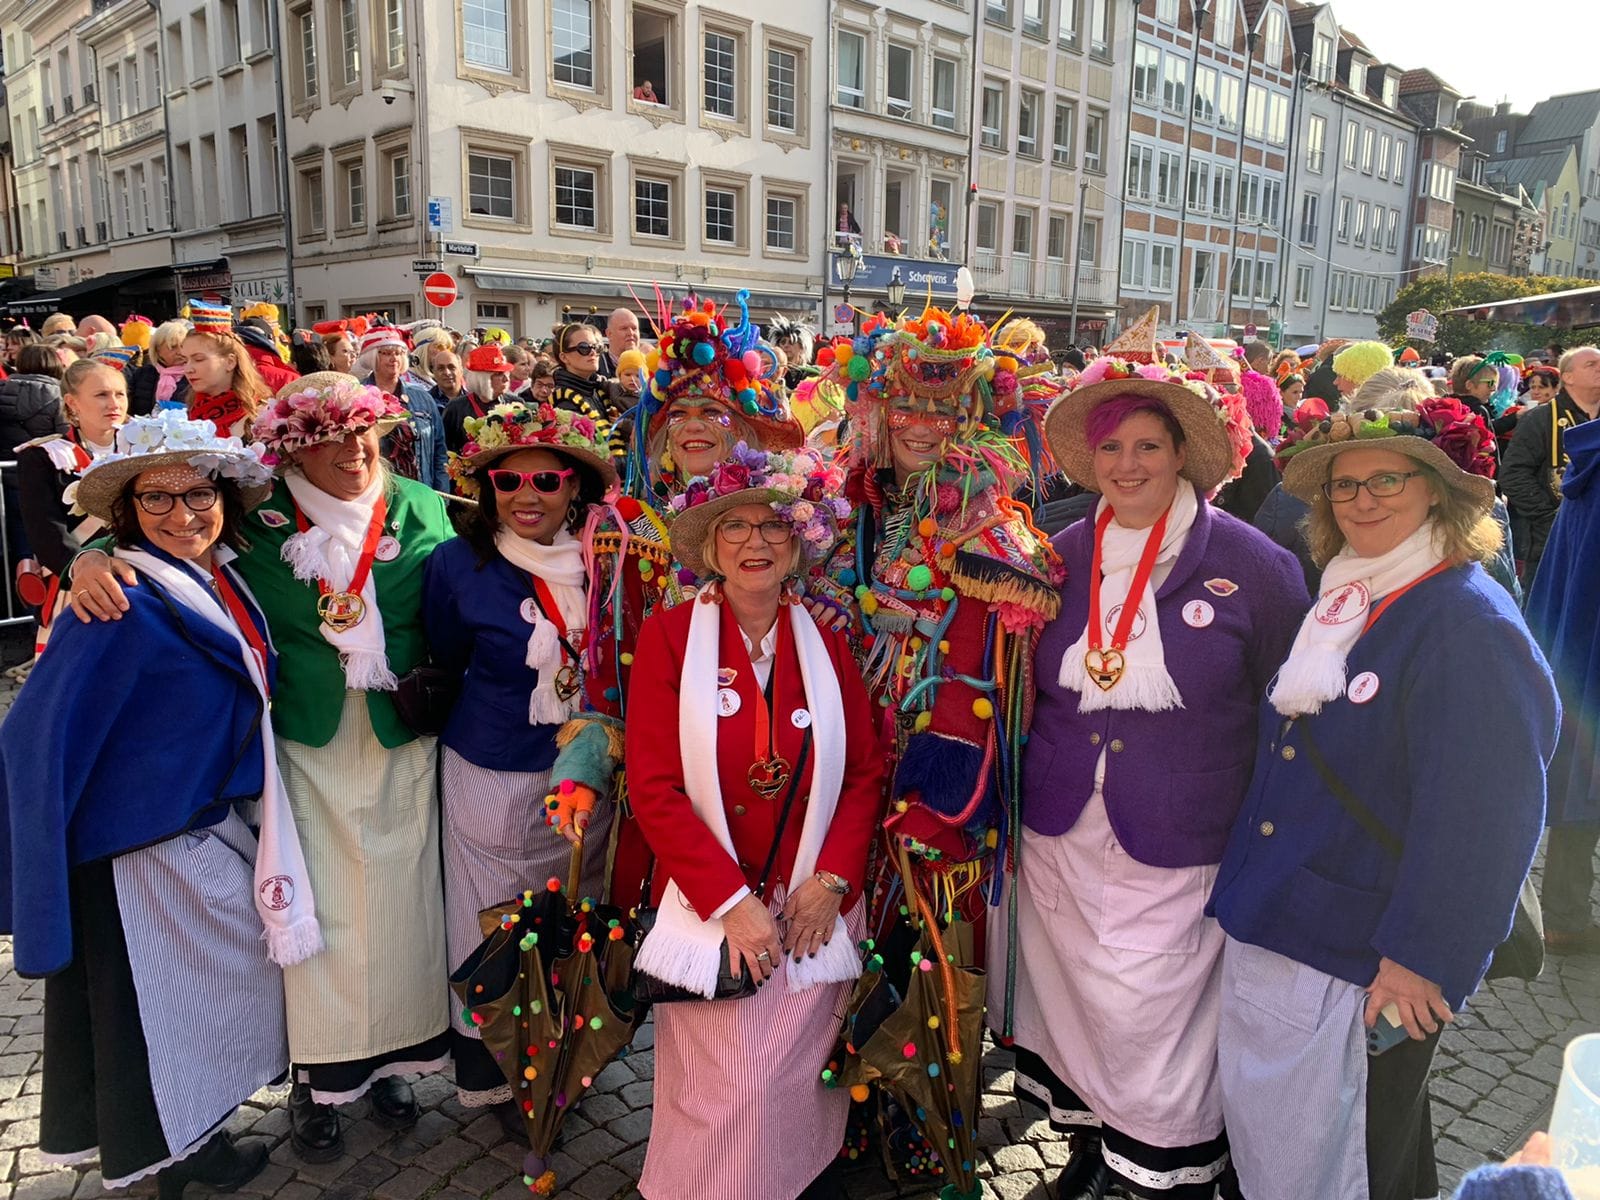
530, 611
1345, 604
800, 718
1362, 688
1198, 614
387, 549
728, 702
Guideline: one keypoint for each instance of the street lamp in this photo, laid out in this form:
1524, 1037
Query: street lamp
896, 290
846, 265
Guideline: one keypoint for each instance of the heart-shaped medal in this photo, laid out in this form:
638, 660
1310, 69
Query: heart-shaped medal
1104, 667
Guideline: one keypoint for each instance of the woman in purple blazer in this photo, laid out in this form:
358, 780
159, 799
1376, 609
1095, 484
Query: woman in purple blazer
1173, 619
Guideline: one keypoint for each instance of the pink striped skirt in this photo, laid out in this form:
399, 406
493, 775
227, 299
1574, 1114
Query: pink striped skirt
740, 1109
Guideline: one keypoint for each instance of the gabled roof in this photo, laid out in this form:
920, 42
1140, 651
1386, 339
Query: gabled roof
1562, 118
1353, 41
1423, 81
1531, 169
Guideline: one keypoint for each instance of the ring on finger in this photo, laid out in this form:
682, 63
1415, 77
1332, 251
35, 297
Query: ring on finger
764, 956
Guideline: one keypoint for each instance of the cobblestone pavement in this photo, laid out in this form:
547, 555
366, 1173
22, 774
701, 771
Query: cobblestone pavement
1495, 1074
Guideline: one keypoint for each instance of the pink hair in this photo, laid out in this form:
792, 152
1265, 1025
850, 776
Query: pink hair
1105, 419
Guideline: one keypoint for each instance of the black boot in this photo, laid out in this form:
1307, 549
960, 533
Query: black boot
1086, 1176
220, 1164
313, 1128
394, 1104
511, 1121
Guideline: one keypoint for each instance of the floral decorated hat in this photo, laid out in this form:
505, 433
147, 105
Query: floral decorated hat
801, 487
1210, 449
507, 428
169, 439
324, 406
1443, 434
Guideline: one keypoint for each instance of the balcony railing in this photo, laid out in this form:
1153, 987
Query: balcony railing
1020, 275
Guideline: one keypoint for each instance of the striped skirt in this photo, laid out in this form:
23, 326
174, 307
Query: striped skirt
740, 1109
496, 844
371, 1001
169, 1015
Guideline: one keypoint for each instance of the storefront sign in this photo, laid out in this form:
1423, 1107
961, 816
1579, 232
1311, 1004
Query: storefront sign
270, 289
917, 274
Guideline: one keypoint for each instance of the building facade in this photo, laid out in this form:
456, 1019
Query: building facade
1432, 104
1350, 184
1045, 115
1541, 179
570, 156
1483, 230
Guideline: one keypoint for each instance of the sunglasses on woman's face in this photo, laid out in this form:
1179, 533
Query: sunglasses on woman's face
583, 348
509, 483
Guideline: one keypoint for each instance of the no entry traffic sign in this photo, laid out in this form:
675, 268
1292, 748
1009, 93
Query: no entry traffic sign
439, 290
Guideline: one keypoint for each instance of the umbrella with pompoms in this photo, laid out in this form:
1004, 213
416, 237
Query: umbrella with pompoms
923, 1043
548, 990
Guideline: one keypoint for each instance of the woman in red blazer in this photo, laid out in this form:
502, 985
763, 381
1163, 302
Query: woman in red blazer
739, 699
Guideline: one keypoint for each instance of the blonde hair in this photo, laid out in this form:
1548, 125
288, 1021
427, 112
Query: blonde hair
1465, 533
708, 549
1393, 389
168, 336
1462, 371
1571, 356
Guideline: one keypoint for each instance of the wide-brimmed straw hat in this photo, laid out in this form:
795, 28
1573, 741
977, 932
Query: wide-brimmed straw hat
163, 440
1208, 452
325, 406
801, 487
1308, 465
512, 426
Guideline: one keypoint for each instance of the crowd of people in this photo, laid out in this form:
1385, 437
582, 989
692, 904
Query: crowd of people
1152, 680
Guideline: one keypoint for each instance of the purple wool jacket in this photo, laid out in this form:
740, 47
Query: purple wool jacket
1174, 780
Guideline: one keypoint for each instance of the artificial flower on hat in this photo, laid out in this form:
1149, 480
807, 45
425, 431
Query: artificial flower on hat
322, 407
168, 438
513, 426
1455, 429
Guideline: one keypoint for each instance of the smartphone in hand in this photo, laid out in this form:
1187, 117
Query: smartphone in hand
1386, 1032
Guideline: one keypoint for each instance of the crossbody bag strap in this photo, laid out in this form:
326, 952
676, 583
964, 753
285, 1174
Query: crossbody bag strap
783, 817
1352, 805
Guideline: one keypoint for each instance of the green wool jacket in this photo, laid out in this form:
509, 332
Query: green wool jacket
310, 691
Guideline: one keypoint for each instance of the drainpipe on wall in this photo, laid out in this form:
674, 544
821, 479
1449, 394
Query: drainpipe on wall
1301, 66
1200, 15
1333, 209
166, 137
285, 199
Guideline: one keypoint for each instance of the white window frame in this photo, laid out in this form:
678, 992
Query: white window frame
1063, 133
1303, 279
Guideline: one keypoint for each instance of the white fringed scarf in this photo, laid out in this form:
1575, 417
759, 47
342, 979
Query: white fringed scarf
560, 566
1146, 683
329, 551
283, 896
1314, 672
683, 949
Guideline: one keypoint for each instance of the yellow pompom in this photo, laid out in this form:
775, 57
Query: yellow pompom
982, 709
944, 647
924, 719
992, 838
933, 1022
869, 605
627, 659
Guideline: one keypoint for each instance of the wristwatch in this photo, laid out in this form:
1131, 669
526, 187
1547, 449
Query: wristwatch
837, 884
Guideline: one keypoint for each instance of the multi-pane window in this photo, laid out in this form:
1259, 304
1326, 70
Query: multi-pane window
1341, 226
1255, 113
1141, 172
1271, 202
1033, 17
783, 73
350, 40
987, 233
1056, 239
577, 203
944, 93
1316, 137
1322, 58
491, 191
1061, 143
400, 184
1302, 285
394, 16
572, 30
1174, 84
1228, 102
899, 84
316, 212
721, 226
1392, 241
1277, 119
993, 116
308, 53
1336, 290
1199, 187
782, 224
1067, 22
1028, 117
355, 183
1360, 237
1146, 73
1369, 143
1205, 93
851, 89
1385, 150
1222, 190
1400, 162
1167, 11
486, 33
1162, 259
1169, 177
1094, 141
1100, 26
1351, 132
1134, 258
721, 66
1308, 219
652, 208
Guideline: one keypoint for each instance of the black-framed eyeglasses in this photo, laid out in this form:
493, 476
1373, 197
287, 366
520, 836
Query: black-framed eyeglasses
773, 533
157, 504
583, 348
1385, 483
509, 483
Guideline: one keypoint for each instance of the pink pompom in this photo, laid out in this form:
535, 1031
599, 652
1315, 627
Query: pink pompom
752, 362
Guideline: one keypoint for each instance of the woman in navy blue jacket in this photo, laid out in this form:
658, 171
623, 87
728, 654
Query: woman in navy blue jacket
507, 605
1376, 862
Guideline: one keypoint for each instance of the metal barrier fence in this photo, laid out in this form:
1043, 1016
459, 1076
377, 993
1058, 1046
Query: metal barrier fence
14, 610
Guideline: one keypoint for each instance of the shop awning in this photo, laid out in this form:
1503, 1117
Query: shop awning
497, 280
1575, 309
52, 299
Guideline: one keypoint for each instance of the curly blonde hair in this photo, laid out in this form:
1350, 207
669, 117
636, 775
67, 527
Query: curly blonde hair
1466, 532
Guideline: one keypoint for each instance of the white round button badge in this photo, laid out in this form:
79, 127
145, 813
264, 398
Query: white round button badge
387, 549
800, 718
728, 702
530, 611
1362, 688
1198, 614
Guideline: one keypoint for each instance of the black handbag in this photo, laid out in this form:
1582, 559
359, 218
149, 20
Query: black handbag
647, 989
1521, 955
423, 698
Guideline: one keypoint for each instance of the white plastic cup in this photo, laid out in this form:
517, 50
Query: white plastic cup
1575, 1123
